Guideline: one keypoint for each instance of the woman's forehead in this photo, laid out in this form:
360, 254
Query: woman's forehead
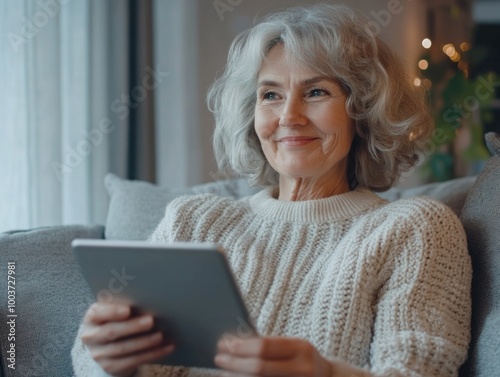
279, 66
314, 62
279, 61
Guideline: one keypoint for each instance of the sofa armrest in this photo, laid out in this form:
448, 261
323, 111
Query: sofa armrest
481, 219
50, 299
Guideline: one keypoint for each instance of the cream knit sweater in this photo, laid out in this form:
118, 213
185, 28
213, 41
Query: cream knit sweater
383, 286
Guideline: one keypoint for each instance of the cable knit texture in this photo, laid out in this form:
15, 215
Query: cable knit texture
382, 286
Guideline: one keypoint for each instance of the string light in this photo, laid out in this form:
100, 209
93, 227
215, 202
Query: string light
423, 64
417, 81
449, 49
464, 46
427, 43
455, 57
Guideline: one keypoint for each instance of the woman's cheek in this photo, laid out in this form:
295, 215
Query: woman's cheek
265, 123
263, 130
267, 133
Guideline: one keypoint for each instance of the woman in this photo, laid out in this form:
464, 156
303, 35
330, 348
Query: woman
339, 282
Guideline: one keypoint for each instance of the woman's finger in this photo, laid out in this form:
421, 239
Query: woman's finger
260, 367
100, 312
132, 362
111, 331
244, 365
265, 347
269, 356
126, 347
232, 374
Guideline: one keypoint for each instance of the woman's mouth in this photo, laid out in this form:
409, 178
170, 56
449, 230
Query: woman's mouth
296, 141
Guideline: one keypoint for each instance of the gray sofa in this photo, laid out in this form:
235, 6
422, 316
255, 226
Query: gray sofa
51, 295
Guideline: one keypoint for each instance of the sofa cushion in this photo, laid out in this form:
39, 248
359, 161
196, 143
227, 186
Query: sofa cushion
136, 207
481, 220
51, 297
452, 193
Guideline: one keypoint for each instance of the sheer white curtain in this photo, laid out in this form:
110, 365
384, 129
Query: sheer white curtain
60, 75
80, 96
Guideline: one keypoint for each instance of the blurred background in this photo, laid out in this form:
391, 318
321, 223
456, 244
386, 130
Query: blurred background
89, 87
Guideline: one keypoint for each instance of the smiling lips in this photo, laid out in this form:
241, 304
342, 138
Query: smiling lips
296, 141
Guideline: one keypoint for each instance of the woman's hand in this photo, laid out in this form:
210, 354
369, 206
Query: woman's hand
271, 356
120, 343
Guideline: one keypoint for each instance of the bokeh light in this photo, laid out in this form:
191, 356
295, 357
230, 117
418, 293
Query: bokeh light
449, 49
455, 57
426, 43
464, 46
423, 64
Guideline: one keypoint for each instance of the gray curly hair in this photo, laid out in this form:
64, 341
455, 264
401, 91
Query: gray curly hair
391, 117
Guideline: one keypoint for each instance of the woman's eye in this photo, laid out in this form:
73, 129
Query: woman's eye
317, 93
270, 95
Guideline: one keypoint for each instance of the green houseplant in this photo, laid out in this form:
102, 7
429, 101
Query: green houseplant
460, 103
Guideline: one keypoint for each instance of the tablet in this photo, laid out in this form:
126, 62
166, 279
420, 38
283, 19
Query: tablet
189, 289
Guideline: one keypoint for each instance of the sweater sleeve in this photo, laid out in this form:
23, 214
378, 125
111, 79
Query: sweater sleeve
83, 364
164, 232
189, 218
422, 324
181, 216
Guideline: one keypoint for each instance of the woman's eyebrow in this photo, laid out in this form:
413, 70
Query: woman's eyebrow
268, 83
315, 80
306, 82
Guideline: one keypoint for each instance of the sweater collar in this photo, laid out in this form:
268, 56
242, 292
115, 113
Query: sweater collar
333, 208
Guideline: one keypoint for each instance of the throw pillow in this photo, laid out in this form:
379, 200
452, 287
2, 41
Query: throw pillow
452, 193
481, 220
136, 207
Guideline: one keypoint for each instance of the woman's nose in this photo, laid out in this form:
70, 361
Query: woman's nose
292, 113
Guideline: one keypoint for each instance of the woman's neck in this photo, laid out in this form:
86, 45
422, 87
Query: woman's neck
298, 189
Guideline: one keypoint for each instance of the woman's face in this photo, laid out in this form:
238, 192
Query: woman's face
301, 121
